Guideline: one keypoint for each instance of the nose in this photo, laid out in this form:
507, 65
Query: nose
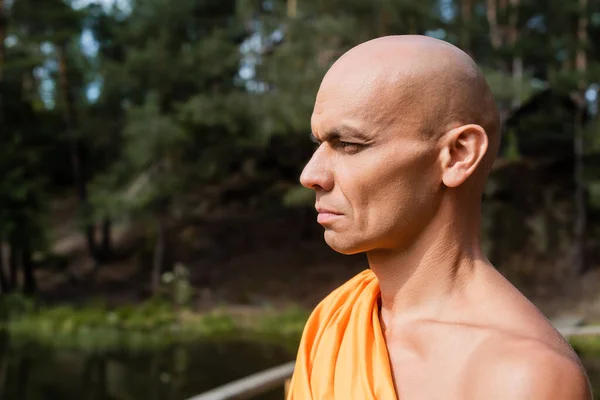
317, 173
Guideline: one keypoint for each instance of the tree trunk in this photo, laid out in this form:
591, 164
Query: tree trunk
292, 8
383, 19
102, 378
551, 72
29, 284
466, 11
578, 142
4, 366
87, 374
492, 18
3, 31
517, 67
155, 372
106, 239
159, 254
412, 25
517, 62
513, 19
13, 263
70, 116
4, 284
582, 38
24, 365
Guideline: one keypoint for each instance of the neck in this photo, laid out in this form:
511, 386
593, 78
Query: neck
423, 279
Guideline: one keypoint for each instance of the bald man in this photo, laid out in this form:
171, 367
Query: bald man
407, 131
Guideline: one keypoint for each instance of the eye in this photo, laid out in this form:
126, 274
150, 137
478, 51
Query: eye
347, 147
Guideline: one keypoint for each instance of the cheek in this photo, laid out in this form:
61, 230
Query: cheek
384, 191
356, 177
392, 197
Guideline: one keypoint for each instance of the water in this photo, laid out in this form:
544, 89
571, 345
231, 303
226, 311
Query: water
33, 372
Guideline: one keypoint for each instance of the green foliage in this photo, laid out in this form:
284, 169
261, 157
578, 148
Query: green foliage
151, 325
298, 196
177, 286
594, 189
505, 88
14, 305
179, 106
173, 112
205, 104
68, 320
586, 346
290, 321
44, 19
217, 323
511, 151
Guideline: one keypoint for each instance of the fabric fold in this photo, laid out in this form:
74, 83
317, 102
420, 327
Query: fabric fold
342, 353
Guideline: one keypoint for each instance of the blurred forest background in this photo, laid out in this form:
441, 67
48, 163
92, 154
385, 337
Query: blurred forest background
152, 149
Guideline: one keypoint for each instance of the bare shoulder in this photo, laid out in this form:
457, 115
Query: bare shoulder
524, 368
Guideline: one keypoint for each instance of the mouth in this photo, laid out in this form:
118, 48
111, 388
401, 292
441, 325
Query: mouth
326, 215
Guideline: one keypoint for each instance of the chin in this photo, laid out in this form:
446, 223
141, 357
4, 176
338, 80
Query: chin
343, 244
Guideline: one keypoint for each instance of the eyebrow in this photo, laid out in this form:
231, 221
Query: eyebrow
341, 132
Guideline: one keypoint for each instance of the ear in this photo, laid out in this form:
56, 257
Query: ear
463, 149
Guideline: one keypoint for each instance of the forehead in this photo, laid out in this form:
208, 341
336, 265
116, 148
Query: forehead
365, 103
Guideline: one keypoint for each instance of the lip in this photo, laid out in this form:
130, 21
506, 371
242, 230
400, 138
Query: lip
326, 215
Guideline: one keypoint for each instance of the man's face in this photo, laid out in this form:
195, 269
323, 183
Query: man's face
377, 181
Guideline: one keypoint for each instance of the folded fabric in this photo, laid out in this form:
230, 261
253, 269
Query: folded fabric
342, 353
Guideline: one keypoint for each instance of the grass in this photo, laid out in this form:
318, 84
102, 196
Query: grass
586, 345
149, 326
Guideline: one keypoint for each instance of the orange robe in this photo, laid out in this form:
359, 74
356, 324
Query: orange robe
342, 354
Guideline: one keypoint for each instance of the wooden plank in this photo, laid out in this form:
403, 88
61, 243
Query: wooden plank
567, 321
250, 386
593, 330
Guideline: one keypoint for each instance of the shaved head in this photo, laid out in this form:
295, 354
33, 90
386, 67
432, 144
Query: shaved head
408, 130
417, 80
